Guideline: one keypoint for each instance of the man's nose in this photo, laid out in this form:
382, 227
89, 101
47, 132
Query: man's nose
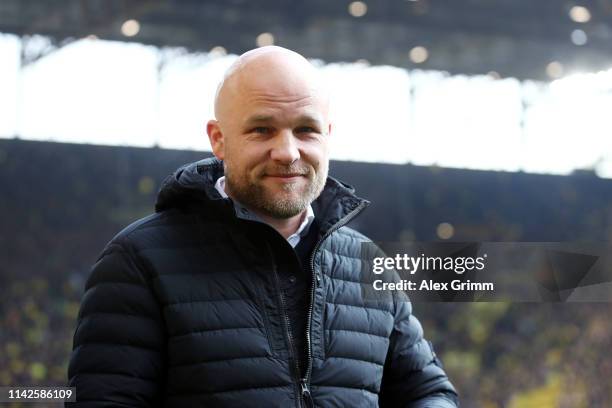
285, 149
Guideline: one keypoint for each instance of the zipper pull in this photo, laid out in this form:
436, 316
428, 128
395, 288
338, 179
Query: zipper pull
306, 394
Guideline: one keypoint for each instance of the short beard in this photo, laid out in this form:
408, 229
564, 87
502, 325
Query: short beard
257, 198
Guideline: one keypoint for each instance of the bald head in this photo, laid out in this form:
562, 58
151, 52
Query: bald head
267, 70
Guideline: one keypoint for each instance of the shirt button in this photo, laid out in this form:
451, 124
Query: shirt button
292, 279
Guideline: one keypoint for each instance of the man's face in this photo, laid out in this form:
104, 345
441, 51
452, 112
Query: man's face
275, 147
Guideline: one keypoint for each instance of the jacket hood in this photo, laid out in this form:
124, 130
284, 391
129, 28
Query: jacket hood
190, 183
194, 183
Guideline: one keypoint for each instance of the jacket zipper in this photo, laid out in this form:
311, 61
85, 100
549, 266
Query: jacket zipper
316, 280
296, 369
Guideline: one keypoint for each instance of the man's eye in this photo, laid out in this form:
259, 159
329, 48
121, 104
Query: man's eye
260, 129
306, 129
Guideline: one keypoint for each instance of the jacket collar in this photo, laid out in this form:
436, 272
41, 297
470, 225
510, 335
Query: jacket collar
194, 184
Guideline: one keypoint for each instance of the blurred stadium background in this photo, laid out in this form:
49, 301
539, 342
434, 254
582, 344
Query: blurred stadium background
487, 120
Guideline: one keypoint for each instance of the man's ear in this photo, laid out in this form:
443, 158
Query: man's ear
216, 138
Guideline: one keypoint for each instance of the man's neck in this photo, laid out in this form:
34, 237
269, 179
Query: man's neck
285, 226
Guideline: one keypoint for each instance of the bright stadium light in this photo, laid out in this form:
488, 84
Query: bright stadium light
579, 37
130, 28
217, 51
554, 69
264, 39
419, 54
358, 9
445, 230
580, 14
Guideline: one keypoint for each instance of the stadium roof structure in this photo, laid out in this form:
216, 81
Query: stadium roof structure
526, 39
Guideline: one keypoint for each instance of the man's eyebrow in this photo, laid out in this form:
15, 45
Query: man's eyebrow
267, 118
259, 118
309, 119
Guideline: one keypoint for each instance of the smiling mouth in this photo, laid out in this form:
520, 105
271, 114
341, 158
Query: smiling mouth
285, 175
291, 178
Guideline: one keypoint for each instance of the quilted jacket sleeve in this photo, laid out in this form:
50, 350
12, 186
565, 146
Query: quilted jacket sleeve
413, 376
117, 357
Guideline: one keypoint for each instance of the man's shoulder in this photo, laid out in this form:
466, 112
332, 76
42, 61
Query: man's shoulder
172, 227
139, 224
352, 234
129, 233
348, 241
147, 227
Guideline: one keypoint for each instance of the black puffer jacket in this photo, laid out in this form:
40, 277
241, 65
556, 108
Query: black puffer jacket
182, 309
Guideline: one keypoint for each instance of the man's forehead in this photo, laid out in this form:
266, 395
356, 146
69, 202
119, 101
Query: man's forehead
270, 82
305, 117
281, 101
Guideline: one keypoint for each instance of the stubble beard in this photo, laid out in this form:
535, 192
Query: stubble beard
255, 195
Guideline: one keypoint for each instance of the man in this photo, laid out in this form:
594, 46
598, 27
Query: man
244, 288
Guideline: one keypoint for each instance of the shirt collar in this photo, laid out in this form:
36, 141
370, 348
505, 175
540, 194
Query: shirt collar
244, 213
